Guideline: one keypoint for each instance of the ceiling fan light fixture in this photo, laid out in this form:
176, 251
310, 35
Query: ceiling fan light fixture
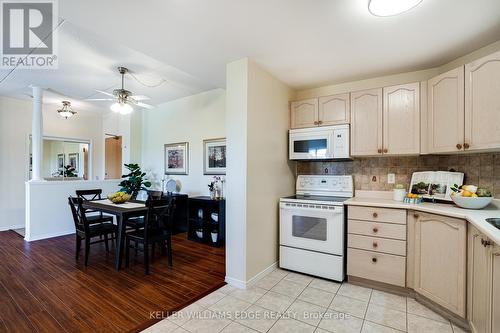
391, 7
121, 108
66, 111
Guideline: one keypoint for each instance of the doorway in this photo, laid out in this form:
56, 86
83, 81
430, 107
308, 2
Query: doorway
113, 157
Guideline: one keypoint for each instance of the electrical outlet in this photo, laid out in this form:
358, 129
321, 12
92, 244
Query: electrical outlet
391, 178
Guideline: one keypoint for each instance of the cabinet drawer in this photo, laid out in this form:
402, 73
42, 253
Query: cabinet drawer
391, 246
377, 214
378, 229
376, 266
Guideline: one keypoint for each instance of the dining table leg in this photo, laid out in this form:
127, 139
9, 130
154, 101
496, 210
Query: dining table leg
121, 221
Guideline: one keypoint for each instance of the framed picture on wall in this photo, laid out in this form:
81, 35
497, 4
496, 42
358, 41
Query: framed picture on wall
60, 162
177, 158
214, 157
73, 160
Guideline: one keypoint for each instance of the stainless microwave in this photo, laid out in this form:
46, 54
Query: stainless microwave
319, 143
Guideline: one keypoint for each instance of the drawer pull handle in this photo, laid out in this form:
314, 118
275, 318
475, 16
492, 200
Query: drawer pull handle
375, 215
375, 229
374, 259
415, 216
375, 244
459, 146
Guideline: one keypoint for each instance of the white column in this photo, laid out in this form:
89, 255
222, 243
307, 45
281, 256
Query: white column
37, 133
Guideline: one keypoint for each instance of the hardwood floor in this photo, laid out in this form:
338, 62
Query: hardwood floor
44, 289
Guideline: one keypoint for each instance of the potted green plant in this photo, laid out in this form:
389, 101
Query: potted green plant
134, 181
68, 171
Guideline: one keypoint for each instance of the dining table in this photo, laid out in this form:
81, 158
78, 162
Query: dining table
122, 212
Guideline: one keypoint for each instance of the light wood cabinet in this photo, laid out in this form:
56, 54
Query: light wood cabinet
483, 283
334, 110
366, 122
323, 111
304, 113
478, 288
401, 119
446, 112
482, 103
441, 278
495, 285
376, 244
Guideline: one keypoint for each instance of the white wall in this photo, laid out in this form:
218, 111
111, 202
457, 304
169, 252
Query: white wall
15, 127
191, 119
259, 173
236, 191
48, 213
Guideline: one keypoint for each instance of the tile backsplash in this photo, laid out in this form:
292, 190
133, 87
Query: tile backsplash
370, 173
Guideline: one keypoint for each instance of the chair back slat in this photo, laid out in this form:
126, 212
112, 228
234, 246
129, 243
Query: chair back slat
159, 216
78, 212
89, 195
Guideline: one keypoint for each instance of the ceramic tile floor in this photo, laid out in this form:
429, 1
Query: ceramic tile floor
284, 301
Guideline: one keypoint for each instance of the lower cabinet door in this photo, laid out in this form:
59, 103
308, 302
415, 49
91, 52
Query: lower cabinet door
376, 266
479, 290
495, 304
440, 260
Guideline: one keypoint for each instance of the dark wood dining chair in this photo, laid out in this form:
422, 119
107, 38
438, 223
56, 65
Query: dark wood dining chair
86, 231
157, 229
92, 215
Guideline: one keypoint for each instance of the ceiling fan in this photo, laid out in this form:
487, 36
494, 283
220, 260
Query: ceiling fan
124, 99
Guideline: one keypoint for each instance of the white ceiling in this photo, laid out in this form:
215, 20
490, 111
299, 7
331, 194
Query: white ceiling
87, 62
304, 43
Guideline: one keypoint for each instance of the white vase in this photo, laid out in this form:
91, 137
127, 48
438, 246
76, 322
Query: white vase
214, 236
398, 194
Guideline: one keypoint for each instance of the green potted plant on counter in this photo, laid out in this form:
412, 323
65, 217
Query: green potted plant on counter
134, 181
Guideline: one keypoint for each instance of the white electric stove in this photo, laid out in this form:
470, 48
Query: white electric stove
312, 226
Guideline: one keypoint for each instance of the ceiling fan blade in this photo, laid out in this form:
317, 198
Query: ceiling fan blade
144, 105
140, 97
105, 93
99, 99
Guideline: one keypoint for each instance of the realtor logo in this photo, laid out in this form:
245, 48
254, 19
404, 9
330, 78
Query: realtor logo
28, 36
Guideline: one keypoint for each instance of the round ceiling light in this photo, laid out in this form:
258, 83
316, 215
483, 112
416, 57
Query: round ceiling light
391, 7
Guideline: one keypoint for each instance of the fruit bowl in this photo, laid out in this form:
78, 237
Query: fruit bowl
119, 197
471, 202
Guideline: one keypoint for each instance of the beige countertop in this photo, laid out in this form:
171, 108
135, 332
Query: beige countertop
476, 217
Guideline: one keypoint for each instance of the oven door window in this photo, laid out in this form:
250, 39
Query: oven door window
315, 147
309, 227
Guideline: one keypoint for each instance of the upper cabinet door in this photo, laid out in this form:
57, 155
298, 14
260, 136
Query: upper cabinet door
402, 119
446, 112
334, 110
482, 103
366, 122
304, 113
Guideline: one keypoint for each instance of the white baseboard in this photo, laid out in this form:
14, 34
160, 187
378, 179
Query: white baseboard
235, 282
50, 235
247, 284
17, 226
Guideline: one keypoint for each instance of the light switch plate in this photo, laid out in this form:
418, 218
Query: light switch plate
391, 178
